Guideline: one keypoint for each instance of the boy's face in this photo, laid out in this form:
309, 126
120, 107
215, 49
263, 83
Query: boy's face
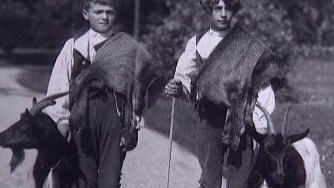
100, 17
221, 16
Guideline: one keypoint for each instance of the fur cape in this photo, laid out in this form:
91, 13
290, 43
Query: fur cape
125, 67
233, 74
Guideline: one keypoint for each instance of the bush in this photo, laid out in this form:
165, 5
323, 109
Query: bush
167, 40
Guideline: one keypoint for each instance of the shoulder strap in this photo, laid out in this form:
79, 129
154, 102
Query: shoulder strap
199, 35
98, 46
199, 63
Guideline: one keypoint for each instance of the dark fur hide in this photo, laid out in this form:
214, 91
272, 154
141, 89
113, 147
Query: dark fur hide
233, 73
123, 66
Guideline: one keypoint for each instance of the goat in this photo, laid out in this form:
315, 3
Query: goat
36, 129
287, 161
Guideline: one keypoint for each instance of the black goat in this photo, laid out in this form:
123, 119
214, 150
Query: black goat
287, 161
36, 129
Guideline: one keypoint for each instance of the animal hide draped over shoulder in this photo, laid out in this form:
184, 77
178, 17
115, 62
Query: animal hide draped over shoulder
126, 67
238, 66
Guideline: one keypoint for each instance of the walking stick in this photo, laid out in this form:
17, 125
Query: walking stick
170, 139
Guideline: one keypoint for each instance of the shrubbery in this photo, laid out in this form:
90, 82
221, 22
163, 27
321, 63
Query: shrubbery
34, 24
167, 40
167, 25
274, 22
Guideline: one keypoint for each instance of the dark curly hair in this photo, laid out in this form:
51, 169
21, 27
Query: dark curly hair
112, 3
234, 5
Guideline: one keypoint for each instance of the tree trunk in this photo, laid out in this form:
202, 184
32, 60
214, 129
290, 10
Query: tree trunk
136, 24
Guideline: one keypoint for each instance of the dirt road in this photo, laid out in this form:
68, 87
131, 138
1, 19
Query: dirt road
145, 167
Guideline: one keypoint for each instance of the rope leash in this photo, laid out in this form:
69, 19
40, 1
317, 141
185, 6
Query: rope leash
170, 140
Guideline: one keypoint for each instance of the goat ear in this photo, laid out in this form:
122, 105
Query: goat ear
296, 137
27, 111
29, 115
254, 134
34, 101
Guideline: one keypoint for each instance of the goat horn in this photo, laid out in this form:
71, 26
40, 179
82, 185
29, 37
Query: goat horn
271, 128
55, 96
285, 120
48, 101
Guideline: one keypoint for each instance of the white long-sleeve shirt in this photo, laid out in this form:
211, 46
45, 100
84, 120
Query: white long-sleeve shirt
186, 67
61, 73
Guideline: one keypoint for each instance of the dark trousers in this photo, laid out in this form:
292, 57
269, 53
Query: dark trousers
101, 166
211, 151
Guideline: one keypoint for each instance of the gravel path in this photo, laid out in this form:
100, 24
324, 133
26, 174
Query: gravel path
145, 167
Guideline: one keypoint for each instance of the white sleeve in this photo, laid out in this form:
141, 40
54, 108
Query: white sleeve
59, 82
266, 98
186, 66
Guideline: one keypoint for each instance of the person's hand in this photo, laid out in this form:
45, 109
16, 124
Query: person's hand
174, 88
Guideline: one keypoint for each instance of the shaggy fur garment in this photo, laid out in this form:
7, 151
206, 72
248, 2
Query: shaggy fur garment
125, 67
233, 74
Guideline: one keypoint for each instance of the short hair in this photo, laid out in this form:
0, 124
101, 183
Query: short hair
112, 3
234, 5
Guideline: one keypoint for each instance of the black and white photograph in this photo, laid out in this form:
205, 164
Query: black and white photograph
167, 93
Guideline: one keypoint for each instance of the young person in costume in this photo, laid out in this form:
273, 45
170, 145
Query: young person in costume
107, 74
217, 71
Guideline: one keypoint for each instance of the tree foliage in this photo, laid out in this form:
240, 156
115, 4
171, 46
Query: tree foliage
34, 23
167, 24
278, 23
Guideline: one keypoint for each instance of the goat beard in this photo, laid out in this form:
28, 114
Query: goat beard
17, 158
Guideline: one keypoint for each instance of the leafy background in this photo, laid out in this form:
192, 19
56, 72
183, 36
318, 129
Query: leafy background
166, 25
300, 30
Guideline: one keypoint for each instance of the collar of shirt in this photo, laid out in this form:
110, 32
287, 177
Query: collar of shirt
95, 37
85, 43
220, 34
209, 41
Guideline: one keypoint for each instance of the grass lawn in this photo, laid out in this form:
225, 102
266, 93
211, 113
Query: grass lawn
313, 86
312, 83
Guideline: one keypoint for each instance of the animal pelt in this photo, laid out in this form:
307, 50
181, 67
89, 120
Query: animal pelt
122, 66
233, 73
125, 66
